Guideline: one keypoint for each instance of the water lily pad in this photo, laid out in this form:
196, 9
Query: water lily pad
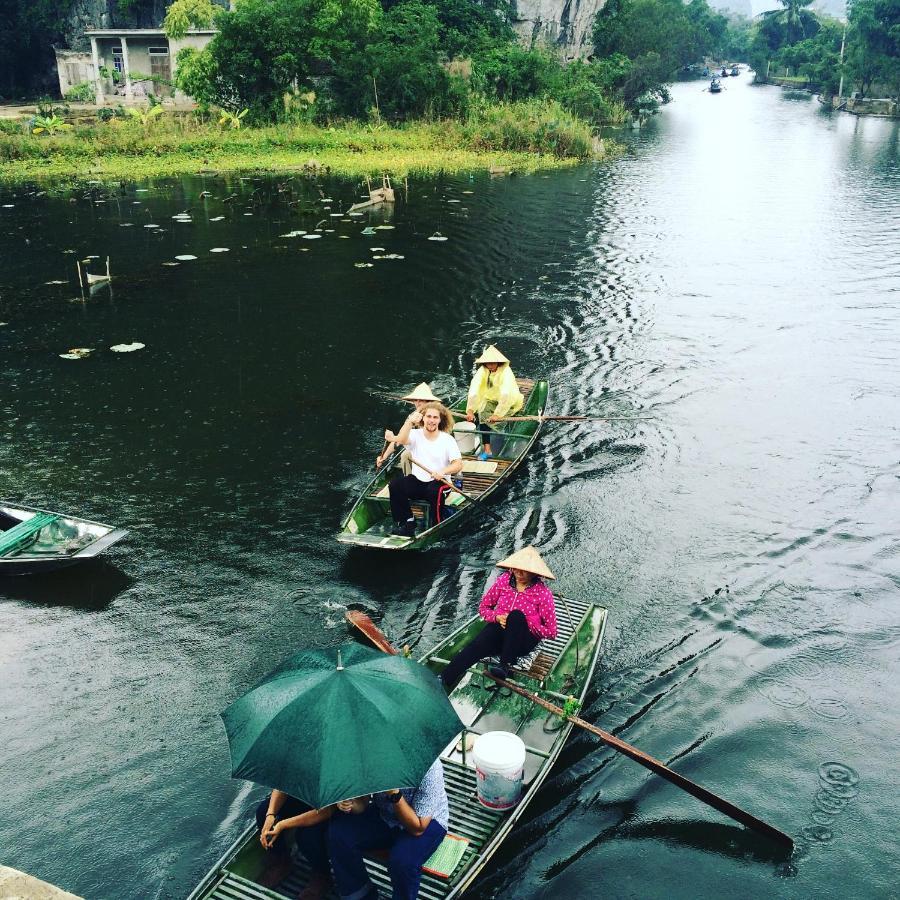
248, 214
217, 218
344, 237
127, 348
8, 205
454, 201
384, 227
171, 263
77, 353
363, 265
468, 192
379, 256
185, 257
326, 200
368, 231
55, 282
126, 224
394, 256
377, 249
311, 237
219, 250
297, 233
151, 226
336, 215
437, 236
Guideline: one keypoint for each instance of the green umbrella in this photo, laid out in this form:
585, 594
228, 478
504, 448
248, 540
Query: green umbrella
332, 724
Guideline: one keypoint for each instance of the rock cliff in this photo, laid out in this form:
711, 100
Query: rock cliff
564, 25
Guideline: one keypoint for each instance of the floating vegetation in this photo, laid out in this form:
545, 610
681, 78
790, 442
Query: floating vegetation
297, 233
437, 236
344, 237
311, 237
77, 353
56, 282
127, 348
185, 257
384, 227
219, 250
394, 256
151, 226
217, 218
171, 263
363, 265
368, 231
377, 249
336, 215
126, 224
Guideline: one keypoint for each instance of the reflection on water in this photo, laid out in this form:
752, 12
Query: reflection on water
728, 285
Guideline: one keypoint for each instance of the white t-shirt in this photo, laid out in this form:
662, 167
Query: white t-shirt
436, 454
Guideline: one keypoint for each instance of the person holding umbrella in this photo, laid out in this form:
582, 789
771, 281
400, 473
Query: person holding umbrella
518, 610
410, 823
331, 724
493, 394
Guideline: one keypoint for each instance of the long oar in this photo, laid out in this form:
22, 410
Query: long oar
571, 419
361, 621
447, 481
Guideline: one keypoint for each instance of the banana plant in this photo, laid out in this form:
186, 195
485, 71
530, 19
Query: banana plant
49, 125
144, 116
232, 120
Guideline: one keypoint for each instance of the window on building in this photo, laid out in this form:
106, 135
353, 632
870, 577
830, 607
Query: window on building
118, 59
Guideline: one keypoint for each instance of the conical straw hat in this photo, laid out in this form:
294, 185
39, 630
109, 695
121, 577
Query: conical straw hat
528, 559
421, 392
492, 354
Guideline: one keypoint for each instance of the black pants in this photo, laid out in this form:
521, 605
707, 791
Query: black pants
508, 643
407, 488
311, 841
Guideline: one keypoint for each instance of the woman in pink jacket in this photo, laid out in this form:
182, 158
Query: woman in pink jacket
518, 609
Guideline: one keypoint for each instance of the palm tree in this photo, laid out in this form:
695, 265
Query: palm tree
794, 21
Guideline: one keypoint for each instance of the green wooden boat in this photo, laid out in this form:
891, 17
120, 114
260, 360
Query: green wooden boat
369, 522
560, 668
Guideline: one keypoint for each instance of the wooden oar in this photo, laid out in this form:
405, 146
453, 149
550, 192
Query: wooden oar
447, 481
363, 623
574, 418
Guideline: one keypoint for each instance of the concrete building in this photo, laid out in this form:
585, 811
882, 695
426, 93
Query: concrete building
125, 63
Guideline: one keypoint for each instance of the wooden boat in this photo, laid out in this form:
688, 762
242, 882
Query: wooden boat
369, 522
735, 71
559, 669
35, 540
715, 86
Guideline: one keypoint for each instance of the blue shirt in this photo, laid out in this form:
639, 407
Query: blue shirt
428, 800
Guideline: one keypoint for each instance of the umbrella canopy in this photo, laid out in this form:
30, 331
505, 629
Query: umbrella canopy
337, 723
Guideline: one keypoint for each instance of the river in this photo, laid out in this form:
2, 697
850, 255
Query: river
730, 282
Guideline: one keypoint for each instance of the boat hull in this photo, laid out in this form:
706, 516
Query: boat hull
65, 542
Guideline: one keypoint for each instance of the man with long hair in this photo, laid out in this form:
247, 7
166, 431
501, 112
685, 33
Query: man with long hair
434, 447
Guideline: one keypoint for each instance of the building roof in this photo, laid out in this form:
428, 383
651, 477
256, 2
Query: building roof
141, 32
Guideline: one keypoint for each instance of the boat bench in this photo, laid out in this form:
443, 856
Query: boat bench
12, 539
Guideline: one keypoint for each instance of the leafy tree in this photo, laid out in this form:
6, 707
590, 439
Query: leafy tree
267, 47
28, 31
512, 72
873, 45
818, 57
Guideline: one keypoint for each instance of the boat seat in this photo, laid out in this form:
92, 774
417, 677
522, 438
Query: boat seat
15, 537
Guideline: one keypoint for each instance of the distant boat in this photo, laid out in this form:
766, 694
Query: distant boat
735, 71
35, 540
715, 86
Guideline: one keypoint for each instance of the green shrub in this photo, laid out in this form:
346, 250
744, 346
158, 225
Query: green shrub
81, 93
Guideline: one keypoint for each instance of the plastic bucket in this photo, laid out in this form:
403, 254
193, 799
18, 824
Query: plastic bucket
467, 438
499, 768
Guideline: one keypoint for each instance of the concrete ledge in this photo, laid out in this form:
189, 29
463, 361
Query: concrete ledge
16, 885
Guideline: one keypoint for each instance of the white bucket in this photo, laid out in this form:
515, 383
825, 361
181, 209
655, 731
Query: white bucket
467, 438
499, 768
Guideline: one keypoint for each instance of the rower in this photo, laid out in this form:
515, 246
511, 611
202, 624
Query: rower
418, 396
493, 394
434, 447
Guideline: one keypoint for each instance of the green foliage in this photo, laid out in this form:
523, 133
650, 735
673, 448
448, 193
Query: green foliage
790, 24
873, 45
11, 126
817, 58
512, 72
144, 116
49, 125
81, 93
182, 15
530, 126
591, 90
232, 120
571, 707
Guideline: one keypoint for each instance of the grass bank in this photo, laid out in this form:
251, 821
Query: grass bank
524, 137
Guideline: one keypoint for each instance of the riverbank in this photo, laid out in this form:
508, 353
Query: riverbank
522, 138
